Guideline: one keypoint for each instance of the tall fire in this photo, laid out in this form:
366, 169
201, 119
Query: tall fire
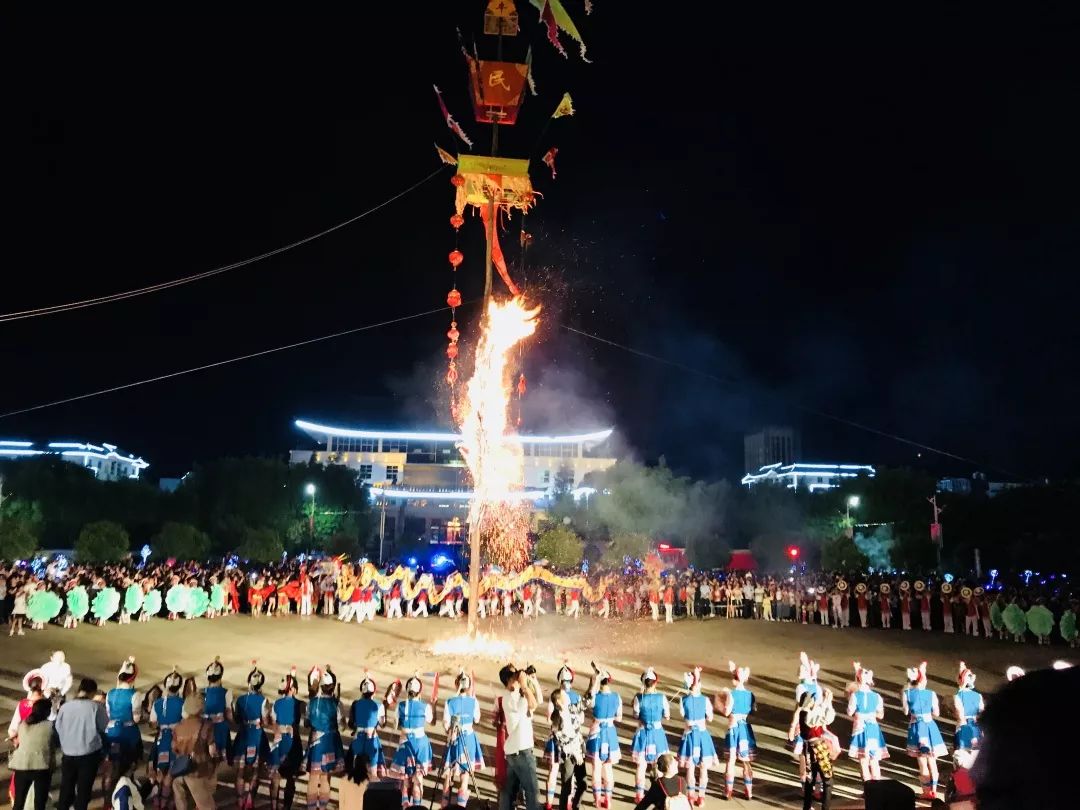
497, 511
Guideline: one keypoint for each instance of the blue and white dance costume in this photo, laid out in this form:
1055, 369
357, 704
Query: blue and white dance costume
250, 745
923, 737
969, 704
740, 734
697, 746
603, 742
365, 717
285, 751
867, 739
325, 752
650, 741
550, 749
167, 711
413, 755
464, 752
216, 702
122, 734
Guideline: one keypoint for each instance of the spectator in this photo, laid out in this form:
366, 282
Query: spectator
80, 724
32, 761
666, 785
194, 737
518, 703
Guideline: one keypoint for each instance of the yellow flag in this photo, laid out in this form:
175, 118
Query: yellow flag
566, 107
445, 156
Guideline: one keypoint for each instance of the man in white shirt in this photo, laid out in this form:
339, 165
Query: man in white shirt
518, 703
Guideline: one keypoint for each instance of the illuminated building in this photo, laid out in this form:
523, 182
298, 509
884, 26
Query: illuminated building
105, 461
800, 475
771, 445
422, 482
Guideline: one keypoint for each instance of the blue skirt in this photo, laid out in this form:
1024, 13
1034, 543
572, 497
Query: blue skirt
603, 744
967, 736
924, 738
740, 739
286, 754
162, 749
868, 743
221, 737
371, 747
124, 742
325, 755
648, 744
697, 748
412, 756
249, 746
465, 752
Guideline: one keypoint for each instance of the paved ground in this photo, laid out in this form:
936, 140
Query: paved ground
391, 650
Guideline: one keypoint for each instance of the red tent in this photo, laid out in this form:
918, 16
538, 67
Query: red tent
742, 560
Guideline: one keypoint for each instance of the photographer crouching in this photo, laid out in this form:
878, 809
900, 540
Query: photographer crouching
516, 707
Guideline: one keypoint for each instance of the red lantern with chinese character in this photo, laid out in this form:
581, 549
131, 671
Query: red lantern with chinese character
456, 258
457, 220
453, 299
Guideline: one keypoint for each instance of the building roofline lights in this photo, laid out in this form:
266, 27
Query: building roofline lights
329, 430
19, 451
138, 463
793, 471
450, 495
8, 443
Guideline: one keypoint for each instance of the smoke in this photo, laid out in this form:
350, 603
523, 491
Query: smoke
877, 546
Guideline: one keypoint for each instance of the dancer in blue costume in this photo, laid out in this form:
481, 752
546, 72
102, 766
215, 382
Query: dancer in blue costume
697, 752
464, 756
969, 705
165, 712
325, 755
218, 708
603, 743
123, 742
650, 741
412, 760
366, 717
737, 704
286, 753
924, 740
866, 709
250, 747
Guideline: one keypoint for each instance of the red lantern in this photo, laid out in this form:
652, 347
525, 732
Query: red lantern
456, 258
457, 220
521, 386
457, 180
451, 351
453, 299
453, 334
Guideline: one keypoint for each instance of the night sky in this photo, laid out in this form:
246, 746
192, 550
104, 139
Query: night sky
869, 216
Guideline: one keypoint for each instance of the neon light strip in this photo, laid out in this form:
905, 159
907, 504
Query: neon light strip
17, 444
138, 463
595, 436
5, 451
454, 495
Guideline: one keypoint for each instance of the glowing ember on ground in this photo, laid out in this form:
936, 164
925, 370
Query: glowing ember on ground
484, 645
496, 464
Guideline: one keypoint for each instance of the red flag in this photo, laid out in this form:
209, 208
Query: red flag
450, 122
549, 159
435, 691
547, 17
496, 250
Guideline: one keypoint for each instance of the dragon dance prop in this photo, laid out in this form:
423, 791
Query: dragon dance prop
106, 603
348, 580
78, 602
43, 606
133, 599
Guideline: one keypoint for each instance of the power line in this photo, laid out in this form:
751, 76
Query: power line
262, 353
813, 411
165, 285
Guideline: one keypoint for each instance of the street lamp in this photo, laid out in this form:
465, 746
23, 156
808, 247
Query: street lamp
852, 503
310, 489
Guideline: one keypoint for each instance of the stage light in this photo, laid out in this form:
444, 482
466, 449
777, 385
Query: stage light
793, 552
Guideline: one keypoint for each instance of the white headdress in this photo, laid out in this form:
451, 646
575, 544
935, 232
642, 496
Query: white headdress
414, 686
917, 674
692, 679
965, 678
463, 681
1013, 672
808, 669
214, 669
128, 670
863, 677
565, 674
649, 675
173, 681
739, 674
367, 685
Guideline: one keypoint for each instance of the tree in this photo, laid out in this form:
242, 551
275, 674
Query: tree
625, 544
102, 541
841, 554
561, 546
182, 541
17, 541
261, 545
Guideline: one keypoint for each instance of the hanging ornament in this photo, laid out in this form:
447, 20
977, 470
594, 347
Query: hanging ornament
453, 299
452, 351
522, 387
451, 373
457, 180
457, 220
453, 334
456, 258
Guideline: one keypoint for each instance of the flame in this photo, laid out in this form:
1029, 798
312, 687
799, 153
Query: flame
484, 645
496, 464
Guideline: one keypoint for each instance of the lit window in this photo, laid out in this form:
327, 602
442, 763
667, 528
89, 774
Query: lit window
392, 473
